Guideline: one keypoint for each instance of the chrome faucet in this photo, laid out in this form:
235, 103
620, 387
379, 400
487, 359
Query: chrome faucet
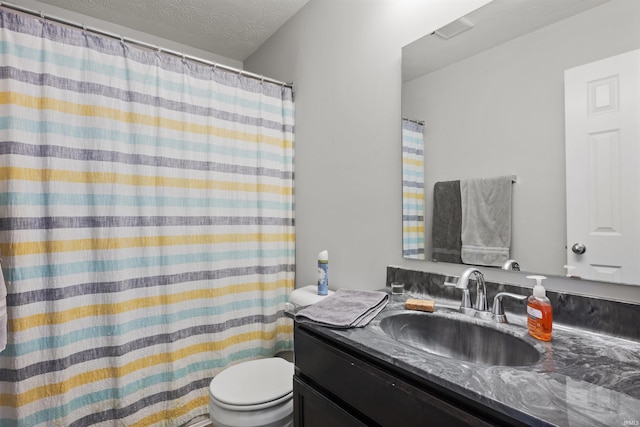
481, 290
481, 295
482, 308
511, 264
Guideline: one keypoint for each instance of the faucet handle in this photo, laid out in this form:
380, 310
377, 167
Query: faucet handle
498, 310
458, 284
466, 296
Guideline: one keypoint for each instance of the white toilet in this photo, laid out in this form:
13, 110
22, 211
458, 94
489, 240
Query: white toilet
258, 393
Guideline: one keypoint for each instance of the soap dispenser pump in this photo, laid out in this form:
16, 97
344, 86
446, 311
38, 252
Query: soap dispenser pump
539, 311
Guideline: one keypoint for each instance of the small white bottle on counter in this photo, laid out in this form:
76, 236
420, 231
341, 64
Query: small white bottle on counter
323, 273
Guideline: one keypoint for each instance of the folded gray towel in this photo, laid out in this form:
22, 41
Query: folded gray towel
447, 222
486, 220
345, 309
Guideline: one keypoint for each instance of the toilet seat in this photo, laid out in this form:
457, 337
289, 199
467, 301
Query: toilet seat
259, 406
253, 385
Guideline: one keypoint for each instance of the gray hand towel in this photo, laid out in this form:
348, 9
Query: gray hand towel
486, 220
447, 222
345, 309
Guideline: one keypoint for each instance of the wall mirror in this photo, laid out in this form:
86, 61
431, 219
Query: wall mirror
492, 99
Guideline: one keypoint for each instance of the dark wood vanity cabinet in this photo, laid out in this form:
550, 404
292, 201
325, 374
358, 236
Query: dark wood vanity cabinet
334, 386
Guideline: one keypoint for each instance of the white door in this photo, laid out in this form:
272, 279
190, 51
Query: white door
602, 125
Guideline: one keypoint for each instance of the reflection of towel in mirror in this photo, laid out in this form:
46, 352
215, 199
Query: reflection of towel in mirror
447, 222
3, 312
486, 220
345, 309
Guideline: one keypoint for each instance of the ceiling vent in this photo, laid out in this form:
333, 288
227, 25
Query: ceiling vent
454, 28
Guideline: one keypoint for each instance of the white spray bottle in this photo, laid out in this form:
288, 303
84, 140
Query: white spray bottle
323, 273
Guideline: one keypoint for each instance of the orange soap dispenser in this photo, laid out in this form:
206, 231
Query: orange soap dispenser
539, 311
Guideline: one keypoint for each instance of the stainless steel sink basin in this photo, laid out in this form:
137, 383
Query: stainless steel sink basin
459, 340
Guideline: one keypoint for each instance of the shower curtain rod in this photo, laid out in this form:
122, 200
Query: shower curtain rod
141, 43
420, 122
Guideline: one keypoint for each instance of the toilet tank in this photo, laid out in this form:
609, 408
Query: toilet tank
306, 295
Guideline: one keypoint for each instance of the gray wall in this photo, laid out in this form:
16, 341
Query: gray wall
501, 112
344, 58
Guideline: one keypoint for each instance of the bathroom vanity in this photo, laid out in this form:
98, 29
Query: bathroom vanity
337, 385
372, 376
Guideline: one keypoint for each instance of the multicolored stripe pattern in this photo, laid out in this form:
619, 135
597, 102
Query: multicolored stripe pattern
147, 229
412, 190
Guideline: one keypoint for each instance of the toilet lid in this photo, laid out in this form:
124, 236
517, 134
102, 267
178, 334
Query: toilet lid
253, 382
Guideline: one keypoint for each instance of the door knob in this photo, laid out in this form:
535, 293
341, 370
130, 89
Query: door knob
578, 248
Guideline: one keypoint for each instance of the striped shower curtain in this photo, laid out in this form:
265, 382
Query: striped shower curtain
147, 236
412, 190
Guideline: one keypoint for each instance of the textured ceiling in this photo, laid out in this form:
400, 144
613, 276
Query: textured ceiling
231, 28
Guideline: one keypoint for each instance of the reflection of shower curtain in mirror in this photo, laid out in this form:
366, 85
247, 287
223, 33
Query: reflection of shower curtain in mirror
412, 190
146, 209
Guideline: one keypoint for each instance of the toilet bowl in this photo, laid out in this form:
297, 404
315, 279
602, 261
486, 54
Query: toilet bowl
258, 393
251, 394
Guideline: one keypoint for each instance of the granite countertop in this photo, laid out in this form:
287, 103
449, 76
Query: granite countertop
582, 379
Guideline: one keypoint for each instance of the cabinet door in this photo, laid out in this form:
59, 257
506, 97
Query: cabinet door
312, 409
